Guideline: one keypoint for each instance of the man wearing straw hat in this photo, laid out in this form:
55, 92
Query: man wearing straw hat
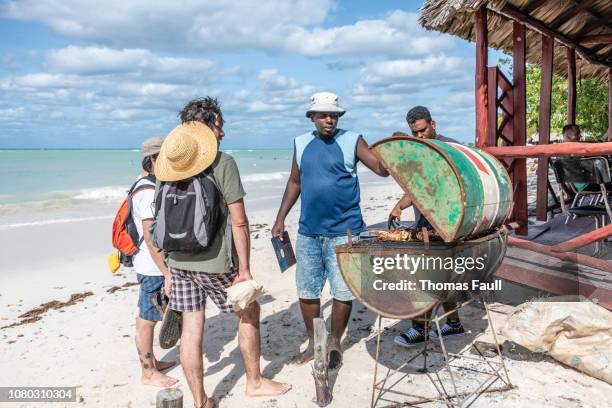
324, 174
188, 150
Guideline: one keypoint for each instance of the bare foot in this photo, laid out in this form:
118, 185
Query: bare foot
210, 403
164, 365
304, 357
158, 379
267, 388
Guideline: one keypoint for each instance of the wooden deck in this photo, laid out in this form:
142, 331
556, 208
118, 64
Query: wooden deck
552, 275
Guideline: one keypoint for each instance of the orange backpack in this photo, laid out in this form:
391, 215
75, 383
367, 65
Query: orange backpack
124, 234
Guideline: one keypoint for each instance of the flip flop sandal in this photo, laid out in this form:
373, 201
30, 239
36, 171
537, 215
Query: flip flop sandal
170, 331
334, 356
160, 301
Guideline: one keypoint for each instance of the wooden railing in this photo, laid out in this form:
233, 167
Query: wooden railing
501, 119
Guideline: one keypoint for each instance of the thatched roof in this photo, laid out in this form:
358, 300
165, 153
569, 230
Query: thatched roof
573, 20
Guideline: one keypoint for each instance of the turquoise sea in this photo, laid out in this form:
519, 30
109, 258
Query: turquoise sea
49, 186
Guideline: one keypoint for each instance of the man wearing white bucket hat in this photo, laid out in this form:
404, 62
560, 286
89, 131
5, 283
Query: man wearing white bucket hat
324, 174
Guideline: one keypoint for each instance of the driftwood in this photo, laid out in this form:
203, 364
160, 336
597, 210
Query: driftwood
169, 398
319, 369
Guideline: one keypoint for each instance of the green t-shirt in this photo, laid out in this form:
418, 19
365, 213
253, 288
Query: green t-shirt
216, 258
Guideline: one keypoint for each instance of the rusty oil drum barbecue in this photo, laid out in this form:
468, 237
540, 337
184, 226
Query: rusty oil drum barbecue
466, 195
356, 262
462, 191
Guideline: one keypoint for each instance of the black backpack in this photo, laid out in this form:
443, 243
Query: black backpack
186, 214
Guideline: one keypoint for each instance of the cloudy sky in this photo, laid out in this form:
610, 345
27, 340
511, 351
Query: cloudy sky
108, 74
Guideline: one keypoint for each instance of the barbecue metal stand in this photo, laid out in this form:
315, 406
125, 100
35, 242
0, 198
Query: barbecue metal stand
450, 394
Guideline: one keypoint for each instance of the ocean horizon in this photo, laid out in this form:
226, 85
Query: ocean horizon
44, 186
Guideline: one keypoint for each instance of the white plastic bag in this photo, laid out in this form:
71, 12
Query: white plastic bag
578, 334
243, 293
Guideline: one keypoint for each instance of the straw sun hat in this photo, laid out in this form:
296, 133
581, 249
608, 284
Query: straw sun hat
188, 150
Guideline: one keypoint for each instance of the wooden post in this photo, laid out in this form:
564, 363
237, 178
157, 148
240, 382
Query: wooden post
319, 371
492, 105
571, 85
544, 125
519, 174
482, 43
169, 398
610, 105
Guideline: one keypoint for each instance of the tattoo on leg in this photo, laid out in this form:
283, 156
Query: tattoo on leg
148, 355
145, 365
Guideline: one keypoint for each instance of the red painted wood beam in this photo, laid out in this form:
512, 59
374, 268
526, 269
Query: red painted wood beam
519, 101
544, 126
571, 85
482, 43
558, 285
558, 149
596, 39
584, 239
610, 105
492, 105
586, 260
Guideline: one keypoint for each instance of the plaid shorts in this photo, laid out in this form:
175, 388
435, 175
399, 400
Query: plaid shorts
190, 290
150, 286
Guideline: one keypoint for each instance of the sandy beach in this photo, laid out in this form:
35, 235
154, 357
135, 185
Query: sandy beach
89, 343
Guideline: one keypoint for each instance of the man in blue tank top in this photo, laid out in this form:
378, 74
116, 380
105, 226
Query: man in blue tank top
324, 174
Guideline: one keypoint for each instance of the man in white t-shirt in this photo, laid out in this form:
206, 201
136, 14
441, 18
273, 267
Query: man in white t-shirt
152, 272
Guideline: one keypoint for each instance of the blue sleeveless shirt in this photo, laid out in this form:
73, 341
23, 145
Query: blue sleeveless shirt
329, 184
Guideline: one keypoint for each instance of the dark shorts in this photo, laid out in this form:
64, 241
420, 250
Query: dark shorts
150, 286
190, 290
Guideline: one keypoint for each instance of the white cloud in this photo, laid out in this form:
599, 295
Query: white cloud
396, 81
11, 114
105, 61
274, 26
437, 68
271, 80
398, 34
260, 106
277, 89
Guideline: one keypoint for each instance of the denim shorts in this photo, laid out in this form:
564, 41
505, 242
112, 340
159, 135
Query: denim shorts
316, 262
149, 286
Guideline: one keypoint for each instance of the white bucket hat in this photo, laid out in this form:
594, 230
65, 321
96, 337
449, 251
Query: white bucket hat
324, 102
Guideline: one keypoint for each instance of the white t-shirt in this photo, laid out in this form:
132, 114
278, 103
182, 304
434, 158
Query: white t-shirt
142, 209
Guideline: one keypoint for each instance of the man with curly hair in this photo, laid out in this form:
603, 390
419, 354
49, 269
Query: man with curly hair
197, 276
